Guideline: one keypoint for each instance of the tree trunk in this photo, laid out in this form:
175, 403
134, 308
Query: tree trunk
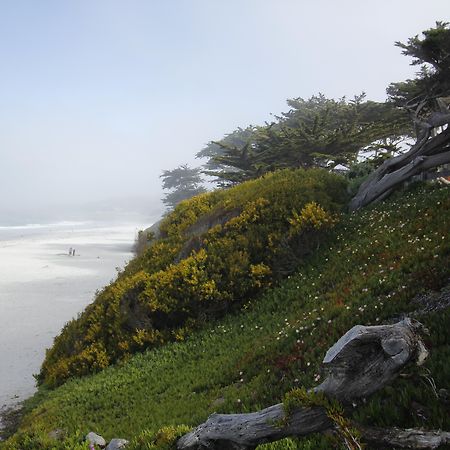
360, 363
430, 150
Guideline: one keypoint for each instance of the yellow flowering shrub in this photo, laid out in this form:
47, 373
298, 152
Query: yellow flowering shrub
143, 337
251, 213
188, 211
259, 273
183, 284
216, 250
312, 216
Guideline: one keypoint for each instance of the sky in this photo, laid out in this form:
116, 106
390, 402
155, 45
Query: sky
98, 97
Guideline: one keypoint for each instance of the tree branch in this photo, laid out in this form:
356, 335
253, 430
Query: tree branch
396, 170
418, 165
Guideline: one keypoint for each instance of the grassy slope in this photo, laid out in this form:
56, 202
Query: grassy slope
170, 290
378, 261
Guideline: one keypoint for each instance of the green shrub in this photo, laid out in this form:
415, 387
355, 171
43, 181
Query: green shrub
164, 439
39, 439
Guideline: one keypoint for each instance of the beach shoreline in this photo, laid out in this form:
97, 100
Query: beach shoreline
43, 287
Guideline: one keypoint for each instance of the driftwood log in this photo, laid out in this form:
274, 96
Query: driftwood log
361, 362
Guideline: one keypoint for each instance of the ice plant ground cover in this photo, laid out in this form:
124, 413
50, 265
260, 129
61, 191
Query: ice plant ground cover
373, 269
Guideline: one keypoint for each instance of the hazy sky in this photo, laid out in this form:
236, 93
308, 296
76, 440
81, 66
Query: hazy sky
97, 97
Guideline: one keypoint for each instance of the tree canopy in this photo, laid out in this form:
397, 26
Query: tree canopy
432, 54
213, 150
324, 132
183, 182
427, 100
318, 132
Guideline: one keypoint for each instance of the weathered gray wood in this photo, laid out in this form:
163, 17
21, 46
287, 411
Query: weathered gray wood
367, 358
362, 361
430, 150
387, 181
246, 431
404, 438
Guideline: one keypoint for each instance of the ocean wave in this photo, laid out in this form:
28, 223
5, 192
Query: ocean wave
34, 226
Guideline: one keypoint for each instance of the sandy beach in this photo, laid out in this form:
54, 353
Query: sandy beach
42, 287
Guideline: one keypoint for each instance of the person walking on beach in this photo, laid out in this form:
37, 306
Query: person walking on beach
73, 252
70, 251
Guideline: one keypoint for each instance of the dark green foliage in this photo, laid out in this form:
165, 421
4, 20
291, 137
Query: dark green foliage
433, 80
237, 164
433, 49
318, 132
360, 171
215, 149
185, 182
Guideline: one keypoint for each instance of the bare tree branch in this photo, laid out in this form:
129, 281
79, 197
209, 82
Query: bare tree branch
428, 152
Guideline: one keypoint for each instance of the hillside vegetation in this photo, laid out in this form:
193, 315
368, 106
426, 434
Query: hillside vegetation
217, 250
373, 267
